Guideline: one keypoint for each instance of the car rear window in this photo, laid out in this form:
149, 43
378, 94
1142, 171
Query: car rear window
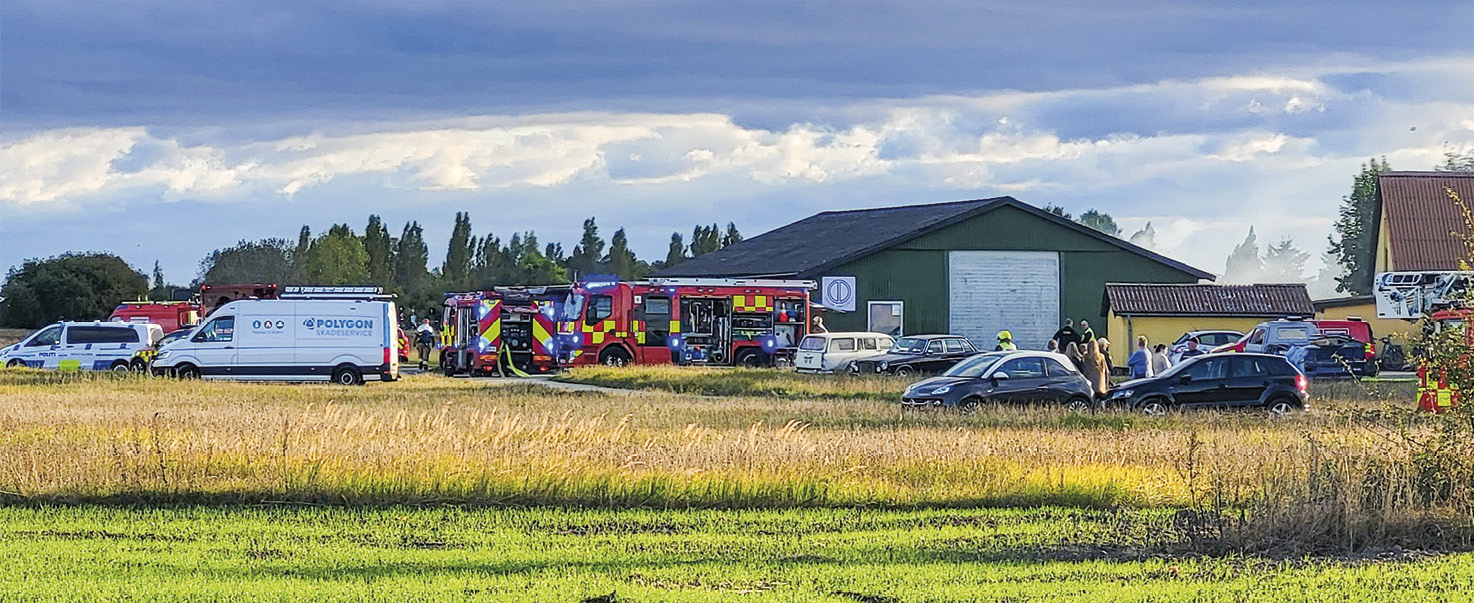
842, 344
1280, 367
1294, 334
868, 343
80, 335
812, 344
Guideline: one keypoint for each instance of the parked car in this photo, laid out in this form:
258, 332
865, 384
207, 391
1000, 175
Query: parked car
829, 352
1003, 377
1325, 355
1218, 381
1207, 340
918, 354
144, 358
94, 346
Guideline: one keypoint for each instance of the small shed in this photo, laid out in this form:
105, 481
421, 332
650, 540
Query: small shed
1163, 312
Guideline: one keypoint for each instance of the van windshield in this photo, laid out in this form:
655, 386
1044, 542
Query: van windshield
812, 344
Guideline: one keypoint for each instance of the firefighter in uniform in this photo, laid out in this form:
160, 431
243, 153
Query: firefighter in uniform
1005, 342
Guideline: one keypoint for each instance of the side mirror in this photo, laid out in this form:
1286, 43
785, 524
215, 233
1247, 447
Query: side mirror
1000, 376
1185, 379
198, 338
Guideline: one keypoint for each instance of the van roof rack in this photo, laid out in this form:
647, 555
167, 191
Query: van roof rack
334, 292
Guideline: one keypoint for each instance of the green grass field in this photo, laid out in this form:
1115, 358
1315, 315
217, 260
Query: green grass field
788, 488
544, 555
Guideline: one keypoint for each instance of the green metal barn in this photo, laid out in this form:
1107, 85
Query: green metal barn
966, 267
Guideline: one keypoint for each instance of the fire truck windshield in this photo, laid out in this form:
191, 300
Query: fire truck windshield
570, 308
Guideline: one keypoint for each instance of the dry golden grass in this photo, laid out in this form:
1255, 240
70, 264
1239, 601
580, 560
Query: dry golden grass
428, 438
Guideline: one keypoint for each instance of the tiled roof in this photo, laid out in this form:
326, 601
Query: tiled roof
1209, 300
1424, 225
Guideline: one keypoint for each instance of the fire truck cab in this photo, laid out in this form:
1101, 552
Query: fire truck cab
741, 322
169, 315
505, 331
1436, 393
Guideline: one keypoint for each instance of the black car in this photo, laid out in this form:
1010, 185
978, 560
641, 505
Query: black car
918, 354
1003, 377
1218, 381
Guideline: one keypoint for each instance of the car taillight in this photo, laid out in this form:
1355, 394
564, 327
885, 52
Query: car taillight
1371, 351
1301, 383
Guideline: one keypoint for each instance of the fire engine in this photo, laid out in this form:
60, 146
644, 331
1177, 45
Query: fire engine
505, 331
214, 296
1436, 392
169, 315
742, 322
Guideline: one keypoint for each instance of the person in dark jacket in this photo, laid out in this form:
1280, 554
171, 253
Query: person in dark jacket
1066, 335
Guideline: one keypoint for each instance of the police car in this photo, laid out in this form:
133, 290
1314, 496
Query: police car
97, 346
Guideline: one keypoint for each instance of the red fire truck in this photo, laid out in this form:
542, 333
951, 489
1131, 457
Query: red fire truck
214, 296
742, 322
169, 315
505, 331
1436, 393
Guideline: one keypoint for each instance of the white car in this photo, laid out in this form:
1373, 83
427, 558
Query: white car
95, 346
343, 340
829, 352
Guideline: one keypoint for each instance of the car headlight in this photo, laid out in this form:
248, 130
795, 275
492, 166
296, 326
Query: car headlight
1124, 393
162, 354
884, 365
942, 390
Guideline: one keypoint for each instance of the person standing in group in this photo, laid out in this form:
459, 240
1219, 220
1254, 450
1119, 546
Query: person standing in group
1160, 361
1066, 335
1005, 342
424, 341
1072, 351
1140, 361
1105, 352
1095, 370
1192, 350
818, 325
1086, 335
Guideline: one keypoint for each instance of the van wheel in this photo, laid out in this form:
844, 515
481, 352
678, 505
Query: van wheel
750, 359
347, 375
120, 366
187, 371
614, 357
15, 363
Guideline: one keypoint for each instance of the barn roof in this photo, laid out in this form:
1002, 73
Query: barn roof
1425, 227
809, 246
1209, 300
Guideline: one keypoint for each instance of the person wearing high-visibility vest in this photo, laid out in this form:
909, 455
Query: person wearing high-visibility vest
1005, 342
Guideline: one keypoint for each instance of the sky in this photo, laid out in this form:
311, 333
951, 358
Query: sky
160, 131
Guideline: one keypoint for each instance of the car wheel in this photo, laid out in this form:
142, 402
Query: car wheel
1280, 407
969, 406
614, 357
347, 375
903, 371
15, 363
187, 371
120, 366
1154, 407
1079, 404
138, 365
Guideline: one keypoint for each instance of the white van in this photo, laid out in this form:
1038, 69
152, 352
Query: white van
342, 340
827, 352
97, 346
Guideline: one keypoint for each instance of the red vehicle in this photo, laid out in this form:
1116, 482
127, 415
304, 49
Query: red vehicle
170, 316
1353, 328
1435, 392
741, 322
214, 296
509, 330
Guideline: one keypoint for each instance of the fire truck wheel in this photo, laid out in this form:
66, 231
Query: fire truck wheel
120, 366
614, 357
347, 375
750, 359
187, 371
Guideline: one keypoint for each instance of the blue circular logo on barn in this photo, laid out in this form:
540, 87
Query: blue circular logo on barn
839, 292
